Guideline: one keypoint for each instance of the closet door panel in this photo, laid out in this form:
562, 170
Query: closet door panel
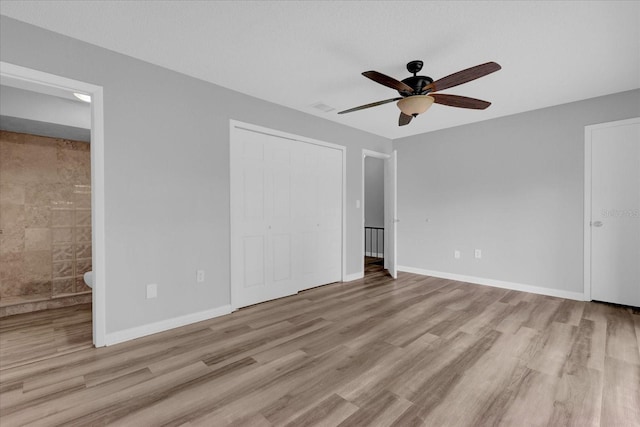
281, 246
304, 228
248, 246
253, 261
287, 216
329, 216
278, 219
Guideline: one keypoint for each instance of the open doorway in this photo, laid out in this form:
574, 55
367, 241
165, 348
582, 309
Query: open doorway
379, 211
53, 210
45, 218
373, 215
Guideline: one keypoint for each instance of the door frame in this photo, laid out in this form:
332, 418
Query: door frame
98, 237
394, 203
588, 132
234, 126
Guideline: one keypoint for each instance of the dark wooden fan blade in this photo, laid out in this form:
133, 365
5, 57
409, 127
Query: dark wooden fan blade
404, 119
463, 76
388, 81
373, 104
459, 101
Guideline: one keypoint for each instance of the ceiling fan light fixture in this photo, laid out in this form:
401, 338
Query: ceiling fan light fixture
415, 104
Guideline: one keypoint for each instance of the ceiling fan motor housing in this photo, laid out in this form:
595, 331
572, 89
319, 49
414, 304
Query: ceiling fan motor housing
416, 83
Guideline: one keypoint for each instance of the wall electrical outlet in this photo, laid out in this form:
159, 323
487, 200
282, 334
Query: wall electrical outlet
152, 290
456, 254
200, 276
478, 253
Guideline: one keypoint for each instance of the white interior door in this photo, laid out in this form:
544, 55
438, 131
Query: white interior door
304, 210
615, 213
390, 214
329, 216
261, 204
286, 216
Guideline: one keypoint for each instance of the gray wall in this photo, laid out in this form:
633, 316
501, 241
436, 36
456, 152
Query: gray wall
167, 172
512, 187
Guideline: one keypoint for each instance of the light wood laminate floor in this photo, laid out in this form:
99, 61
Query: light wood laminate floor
411, 352
30, 337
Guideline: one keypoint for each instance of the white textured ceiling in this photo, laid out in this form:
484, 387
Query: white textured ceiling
298, 53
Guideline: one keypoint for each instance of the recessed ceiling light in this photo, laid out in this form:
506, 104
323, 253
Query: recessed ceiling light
82, 97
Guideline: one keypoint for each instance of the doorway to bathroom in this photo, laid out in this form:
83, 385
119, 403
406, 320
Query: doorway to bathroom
51, 218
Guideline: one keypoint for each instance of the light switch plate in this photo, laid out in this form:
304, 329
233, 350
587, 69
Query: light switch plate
200, 276
478, 253
456, 254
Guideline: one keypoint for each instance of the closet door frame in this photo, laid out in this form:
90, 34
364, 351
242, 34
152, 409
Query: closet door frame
234, 127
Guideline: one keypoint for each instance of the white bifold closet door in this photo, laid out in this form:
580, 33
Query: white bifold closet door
286, 207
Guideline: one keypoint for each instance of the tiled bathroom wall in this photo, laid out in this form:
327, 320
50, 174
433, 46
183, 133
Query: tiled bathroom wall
45, 217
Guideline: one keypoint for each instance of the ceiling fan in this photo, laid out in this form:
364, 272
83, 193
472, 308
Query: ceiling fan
418, 92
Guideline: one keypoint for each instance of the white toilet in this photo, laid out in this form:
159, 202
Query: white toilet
88, 279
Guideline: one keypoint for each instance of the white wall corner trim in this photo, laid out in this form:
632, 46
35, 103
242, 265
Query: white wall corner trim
353, 276
165, 325
496, 283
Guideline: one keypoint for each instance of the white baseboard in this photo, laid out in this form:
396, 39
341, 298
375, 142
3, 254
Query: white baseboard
374, 254
496, 283
354, 276
165, 325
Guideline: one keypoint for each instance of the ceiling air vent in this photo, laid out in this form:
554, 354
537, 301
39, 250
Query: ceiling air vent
322, 107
